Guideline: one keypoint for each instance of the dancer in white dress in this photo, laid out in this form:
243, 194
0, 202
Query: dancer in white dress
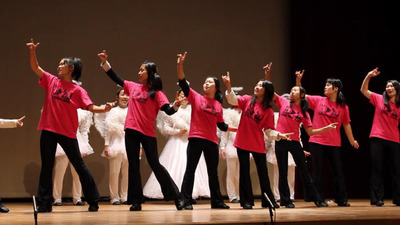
111, 127
173, 157
228, 152
271, 158
85, 119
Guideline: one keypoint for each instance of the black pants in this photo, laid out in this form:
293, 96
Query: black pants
282, 148
211, 154
380, 149
48, 145
332, 153
133, 139
245, 187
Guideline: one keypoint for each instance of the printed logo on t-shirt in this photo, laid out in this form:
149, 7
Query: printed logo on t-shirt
208, 108
328, 111
139, 96
289, 112
392, 113
252, 114
61, 94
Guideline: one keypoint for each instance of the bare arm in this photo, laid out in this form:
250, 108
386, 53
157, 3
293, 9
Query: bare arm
179, 64
101, 109
32, 58
349, 134
267, 71
365, 84
311, 131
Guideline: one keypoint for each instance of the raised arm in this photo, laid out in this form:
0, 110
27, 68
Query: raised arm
311, 131
267, 71
107, 68
365, 84
179, 64
299, 76
230, 95
32, 58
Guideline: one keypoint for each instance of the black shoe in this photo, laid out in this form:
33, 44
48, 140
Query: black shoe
193, 202
80, 203
188, 207
57, 204
3, 209
136, 207
44, 208
290, 205
380, 203
343, 204
247, 206
293, 200
235, 200
179, 203
320, 204
276, 206
93, 207
125, 202
116, 203
220, 206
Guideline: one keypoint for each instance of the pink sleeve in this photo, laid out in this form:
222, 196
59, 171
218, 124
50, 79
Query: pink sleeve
86, 101
278, 101
313, 100
220, 117
126, 87
373, 99
307, 121
346, 115
161, 99
45, 79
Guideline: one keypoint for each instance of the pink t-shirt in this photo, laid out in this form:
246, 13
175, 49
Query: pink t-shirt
325, 113
385, 123
61, 101
254, 119
290, 118
142, 110
206, 113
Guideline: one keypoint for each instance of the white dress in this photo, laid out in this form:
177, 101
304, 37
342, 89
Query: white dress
111, 127
174, 157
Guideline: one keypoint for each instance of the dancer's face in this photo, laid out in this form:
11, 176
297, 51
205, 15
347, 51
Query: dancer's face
123, 99
142, 74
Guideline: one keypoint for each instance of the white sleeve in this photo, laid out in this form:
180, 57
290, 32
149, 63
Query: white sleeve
272, 134
106, 66
231, 97
8, 123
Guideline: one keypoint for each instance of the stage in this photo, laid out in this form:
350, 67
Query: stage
161, 212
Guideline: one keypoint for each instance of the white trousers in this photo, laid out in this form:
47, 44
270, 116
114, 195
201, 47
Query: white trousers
118, 165
291, 179
232, 178
60, 166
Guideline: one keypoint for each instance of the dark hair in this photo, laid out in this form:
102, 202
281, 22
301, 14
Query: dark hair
153, 79
77, 64
218, 95
336, 83
269, 91
119, 91
396, 86
304, 101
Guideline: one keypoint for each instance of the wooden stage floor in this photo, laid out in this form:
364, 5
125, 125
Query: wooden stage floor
161, 212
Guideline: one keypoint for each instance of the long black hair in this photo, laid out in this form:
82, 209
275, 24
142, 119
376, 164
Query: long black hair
153, 79
386, 99
269, 91
336, 83
218, 95
77, 64
304, 101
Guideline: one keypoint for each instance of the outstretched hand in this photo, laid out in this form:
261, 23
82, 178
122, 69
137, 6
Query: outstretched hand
373, 73
103, 56
285, 136
32, 46
332, 125
181, 58
110, 105
227, 79
19, 122
299, 75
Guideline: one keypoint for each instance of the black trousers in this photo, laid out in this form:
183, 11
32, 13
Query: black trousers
133, 139
332, 153
245, 187
282, 148
380, 149
211, 154
48, 145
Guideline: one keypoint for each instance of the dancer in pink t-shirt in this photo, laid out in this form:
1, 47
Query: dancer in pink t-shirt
329, 109
257, 118
205, 117
384, 137
292, 114
59, 124
146, 98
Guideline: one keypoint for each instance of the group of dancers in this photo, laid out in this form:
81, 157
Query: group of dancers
139, 104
